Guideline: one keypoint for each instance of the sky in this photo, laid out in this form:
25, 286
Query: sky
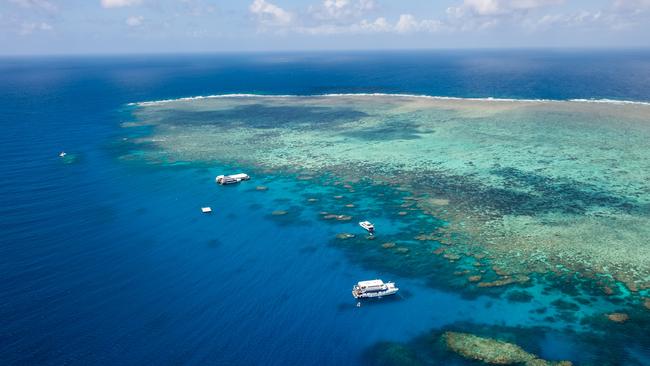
173, 26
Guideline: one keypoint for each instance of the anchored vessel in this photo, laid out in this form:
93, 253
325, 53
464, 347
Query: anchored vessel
231, 179
373, 288
368, 226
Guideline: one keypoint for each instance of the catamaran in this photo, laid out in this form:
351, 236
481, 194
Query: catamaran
373, 288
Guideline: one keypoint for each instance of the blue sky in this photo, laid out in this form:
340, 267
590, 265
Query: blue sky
137, 26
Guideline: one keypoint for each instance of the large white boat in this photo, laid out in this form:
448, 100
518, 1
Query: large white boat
231, 179
373, 288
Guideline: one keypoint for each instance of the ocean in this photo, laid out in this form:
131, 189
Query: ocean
105, 257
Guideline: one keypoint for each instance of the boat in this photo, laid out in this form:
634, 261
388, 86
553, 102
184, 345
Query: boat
231, 179
62, 154
206, 209
373, 288
368, 226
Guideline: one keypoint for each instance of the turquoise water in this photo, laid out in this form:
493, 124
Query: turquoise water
107, 259
544, 183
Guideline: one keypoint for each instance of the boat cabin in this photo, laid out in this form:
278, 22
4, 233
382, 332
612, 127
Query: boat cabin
371, 285
231, 179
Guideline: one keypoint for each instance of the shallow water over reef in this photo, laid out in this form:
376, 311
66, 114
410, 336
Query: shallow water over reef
535, 212
536, 186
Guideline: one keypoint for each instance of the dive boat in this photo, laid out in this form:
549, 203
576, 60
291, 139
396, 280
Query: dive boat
373, 288
368, 226
231, 179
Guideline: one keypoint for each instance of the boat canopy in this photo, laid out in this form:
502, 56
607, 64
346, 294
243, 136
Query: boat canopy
241, 176
371, 283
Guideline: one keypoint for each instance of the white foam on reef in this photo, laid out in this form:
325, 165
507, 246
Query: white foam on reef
609, 101
402, 95
215, 96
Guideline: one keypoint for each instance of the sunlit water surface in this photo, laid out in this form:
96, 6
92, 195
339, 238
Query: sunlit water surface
107, 259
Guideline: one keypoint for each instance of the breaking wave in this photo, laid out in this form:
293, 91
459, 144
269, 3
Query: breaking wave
249, 95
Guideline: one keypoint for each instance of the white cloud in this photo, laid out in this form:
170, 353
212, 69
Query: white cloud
134, 21
36, 4
378, 25
364, 26
620, 16
632, 4
579, 19
354, 17
473, 15
197, 8
342, 9
119, 3
497, 7
407, 23
270, 14
29, 28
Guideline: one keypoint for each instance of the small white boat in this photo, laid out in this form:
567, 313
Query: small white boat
368, 226
62, 154
373, 288
206, 209
231, 179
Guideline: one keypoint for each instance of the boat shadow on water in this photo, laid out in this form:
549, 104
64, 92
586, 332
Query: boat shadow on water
376, 301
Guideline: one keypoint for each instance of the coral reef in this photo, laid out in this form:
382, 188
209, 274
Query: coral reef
504, 281
344, 236
329, 216
393, 354
646, 303
451, 256
519, 296
533, 198
493, 351
424, 237
618, 317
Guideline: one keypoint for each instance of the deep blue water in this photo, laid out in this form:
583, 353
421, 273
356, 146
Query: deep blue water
110, 262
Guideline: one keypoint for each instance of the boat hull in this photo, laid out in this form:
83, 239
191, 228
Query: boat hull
373, 295
358, 294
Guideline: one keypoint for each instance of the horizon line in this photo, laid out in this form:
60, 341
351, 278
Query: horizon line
326, 50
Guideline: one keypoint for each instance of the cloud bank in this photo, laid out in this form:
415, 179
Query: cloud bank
119, 3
